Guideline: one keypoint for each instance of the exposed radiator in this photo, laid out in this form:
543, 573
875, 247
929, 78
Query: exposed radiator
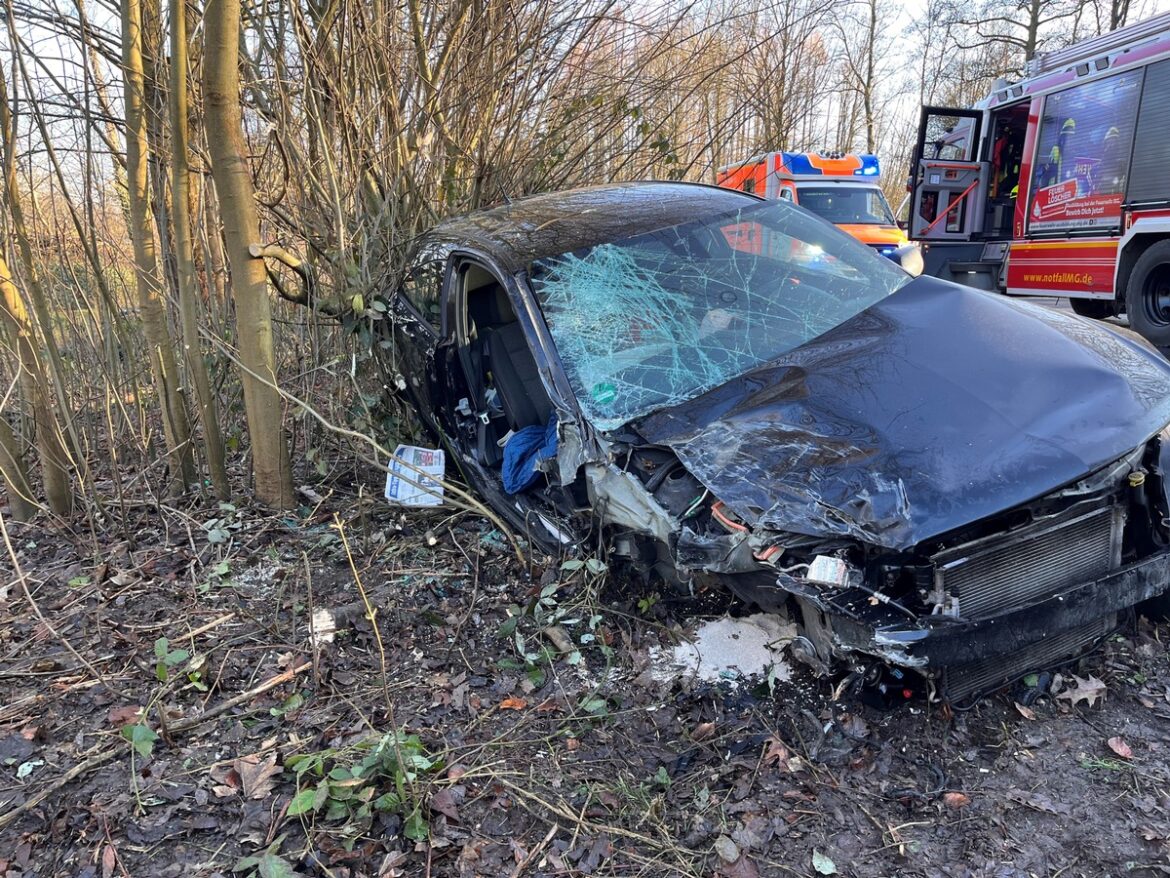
989, 576
980, 678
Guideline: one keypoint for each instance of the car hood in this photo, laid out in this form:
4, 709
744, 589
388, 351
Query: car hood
934, 408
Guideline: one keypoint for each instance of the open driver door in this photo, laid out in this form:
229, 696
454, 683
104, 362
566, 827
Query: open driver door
948, 185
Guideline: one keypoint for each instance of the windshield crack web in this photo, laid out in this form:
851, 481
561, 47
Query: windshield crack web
656, 320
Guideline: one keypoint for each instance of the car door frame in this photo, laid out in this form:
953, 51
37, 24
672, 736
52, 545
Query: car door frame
417, 339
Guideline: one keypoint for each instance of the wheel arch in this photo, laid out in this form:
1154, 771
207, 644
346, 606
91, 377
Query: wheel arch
1140, 237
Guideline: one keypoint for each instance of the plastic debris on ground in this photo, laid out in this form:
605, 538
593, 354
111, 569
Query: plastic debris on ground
729, 650
406, 485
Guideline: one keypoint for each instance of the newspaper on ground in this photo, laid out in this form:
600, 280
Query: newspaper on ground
420, 485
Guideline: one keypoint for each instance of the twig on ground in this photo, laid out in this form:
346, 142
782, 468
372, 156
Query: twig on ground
185, 725
535, 852
73, 773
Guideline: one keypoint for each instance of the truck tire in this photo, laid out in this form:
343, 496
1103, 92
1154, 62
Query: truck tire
1097, 309
1147, 295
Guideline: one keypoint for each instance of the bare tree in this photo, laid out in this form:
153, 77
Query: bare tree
184, 252
146, 269
241, 230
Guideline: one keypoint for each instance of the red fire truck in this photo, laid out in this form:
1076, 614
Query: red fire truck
1059, 184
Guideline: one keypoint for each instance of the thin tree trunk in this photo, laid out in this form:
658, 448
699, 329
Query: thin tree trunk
55, 371
50, 447
241, 226
184, 255
154, 322
20, 498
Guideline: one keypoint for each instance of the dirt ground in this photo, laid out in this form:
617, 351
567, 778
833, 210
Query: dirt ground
164, 712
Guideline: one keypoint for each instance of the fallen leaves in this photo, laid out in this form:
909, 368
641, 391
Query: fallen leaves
124, 716
251, 776
822, 865
703, 732
1122, 749
513, 703
726, 849
1026, 712
776, 753
446, 802
741, 868
1087, 689
956, 800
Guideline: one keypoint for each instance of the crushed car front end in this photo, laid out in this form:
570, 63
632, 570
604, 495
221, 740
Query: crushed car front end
923, 476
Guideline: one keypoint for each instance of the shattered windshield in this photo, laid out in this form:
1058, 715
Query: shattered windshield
656, 319
854, 205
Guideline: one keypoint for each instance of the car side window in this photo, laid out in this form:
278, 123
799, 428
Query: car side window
422, 289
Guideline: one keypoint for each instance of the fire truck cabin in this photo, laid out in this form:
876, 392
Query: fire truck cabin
1057, 185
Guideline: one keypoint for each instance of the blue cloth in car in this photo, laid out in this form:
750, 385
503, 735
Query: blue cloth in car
523, 450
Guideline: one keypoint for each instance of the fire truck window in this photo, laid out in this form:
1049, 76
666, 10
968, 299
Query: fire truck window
948, 138
1148, 180
1082, 155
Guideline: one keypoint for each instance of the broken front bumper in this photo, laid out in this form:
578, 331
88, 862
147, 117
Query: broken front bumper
939, 643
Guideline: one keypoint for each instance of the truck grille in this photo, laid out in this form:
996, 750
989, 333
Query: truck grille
980, 678
999, 573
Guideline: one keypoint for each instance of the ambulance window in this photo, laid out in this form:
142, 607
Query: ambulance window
749, 184
786, 194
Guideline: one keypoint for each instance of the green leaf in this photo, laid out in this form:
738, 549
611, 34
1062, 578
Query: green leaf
141, 738
303, 802
594, 706
572, 564
272, 866
822, 864
160, 647
388, 802
415, 828
595, 566
291, 704
245, 863
509, 626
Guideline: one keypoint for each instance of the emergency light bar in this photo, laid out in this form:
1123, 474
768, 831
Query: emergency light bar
830, 164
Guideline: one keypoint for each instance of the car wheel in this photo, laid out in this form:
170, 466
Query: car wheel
1147, 297
1097, 309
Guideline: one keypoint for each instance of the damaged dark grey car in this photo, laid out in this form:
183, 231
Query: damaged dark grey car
716, 388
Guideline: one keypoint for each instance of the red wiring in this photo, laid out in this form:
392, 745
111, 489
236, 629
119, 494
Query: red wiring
724, 520
728, 523
767, 553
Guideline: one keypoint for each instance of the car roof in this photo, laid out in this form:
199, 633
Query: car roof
531, 228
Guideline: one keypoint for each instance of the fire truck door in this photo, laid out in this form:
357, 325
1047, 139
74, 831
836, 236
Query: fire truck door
949, 187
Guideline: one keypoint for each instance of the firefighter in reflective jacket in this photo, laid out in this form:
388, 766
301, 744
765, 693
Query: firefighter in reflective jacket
1109, 175
1050, 171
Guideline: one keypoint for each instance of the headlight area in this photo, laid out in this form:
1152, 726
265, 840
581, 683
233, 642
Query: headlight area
974, 609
